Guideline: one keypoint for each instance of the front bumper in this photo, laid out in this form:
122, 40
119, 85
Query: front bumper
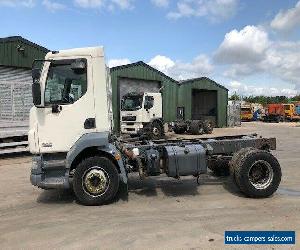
131, 128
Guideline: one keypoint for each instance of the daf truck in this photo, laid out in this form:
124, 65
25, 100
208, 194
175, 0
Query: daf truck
73, 145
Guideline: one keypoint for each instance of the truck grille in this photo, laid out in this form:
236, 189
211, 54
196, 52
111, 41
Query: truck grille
129, 118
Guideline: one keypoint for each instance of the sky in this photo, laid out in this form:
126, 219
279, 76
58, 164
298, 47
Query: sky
250, 46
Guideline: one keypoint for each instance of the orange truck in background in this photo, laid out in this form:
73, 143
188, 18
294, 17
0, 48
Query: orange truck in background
275, 113
292, 112
246, 112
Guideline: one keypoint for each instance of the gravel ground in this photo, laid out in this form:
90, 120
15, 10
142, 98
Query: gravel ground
158, 213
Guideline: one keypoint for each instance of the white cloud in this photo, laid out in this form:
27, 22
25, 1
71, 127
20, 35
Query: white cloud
89, 3
17, 3
245, 46
161, 63
287, 20
53, 6
199, 66
214, 10
160, 3
118, 62
279, 59
248, 89
108, 4
249, 52
123, 4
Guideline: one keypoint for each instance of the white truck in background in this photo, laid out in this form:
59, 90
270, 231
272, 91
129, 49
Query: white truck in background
73, 145
142, 114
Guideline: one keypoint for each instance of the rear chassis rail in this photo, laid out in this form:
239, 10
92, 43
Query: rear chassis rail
175, 157
215, 145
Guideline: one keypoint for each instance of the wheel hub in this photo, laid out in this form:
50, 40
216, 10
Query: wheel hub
95, 181
155, 131
261, 174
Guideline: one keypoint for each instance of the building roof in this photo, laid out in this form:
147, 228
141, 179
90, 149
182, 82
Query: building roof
141, 63
23, 40
203, 78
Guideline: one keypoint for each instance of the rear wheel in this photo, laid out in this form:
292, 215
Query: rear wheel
208, 127
96, 181
257, 173
196, 128
180, 127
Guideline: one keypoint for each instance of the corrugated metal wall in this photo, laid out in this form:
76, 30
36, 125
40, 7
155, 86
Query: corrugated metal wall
19, 52
15, 95
142, 71
185, 97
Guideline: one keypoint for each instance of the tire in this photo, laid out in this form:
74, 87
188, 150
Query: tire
208, 127
196, 128
180, 127
257, 173
157, 130
86, 180
235, 158
179, 130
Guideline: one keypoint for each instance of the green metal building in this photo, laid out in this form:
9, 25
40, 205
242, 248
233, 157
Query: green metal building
19, 52
204, 98
190, 99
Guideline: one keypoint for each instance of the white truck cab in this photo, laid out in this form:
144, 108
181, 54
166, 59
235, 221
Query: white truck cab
142, 112
71, 125
69, 82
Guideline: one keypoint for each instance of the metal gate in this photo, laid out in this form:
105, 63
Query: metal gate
15, 102
234, 114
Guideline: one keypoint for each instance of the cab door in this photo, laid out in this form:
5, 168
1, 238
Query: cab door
148, 106
69, 110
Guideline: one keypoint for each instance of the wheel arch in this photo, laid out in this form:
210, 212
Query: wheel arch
95, 144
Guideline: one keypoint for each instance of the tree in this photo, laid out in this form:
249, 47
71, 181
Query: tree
235, 97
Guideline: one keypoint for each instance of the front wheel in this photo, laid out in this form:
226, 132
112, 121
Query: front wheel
96, 181
157, 130
257, 173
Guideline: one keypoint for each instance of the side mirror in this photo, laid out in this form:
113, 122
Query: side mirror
36, 93
36, 74
147, 106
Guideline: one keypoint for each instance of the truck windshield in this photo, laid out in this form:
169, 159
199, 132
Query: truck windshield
131, 103
66, 81
246, 110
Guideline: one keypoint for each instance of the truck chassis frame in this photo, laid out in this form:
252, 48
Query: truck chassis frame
109, 165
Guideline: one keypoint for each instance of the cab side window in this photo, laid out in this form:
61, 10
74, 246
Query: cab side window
149, 102
66, 83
